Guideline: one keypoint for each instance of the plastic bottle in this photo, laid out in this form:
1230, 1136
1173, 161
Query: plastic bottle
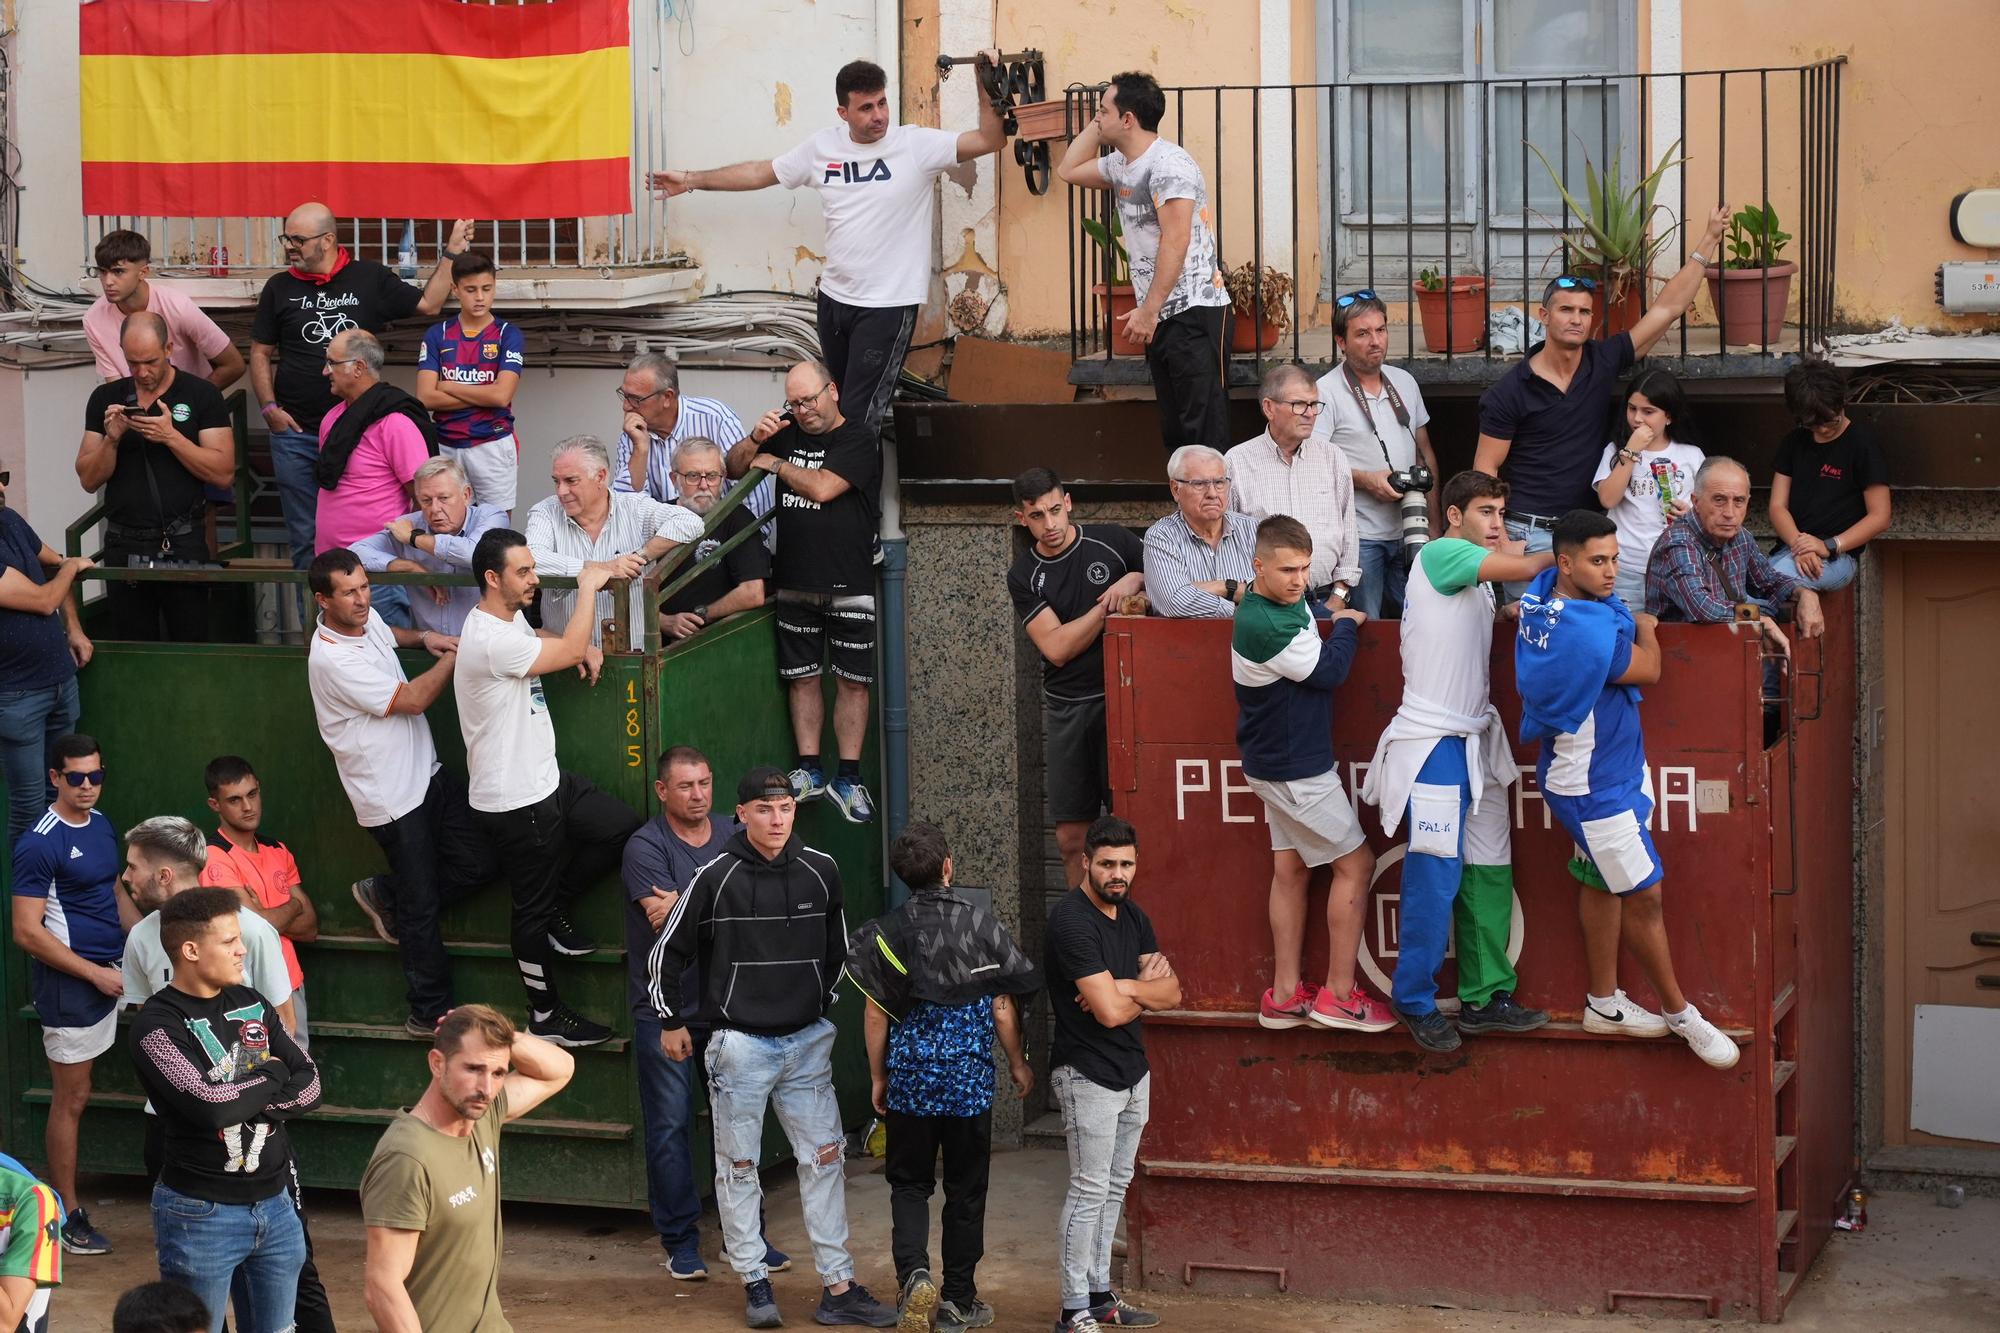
1855, 1216
406, 251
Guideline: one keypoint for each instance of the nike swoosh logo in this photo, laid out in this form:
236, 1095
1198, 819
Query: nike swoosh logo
1609, 1018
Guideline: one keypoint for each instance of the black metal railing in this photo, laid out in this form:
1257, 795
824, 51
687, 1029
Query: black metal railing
1490, 208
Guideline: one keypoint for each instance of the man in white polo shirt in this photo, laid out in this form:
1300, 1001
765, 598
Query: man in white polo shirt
371, 715
556, 833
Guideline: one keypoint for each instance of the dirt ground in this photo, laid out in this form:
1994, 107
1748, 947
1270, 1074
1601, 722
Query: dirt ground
1918, 1266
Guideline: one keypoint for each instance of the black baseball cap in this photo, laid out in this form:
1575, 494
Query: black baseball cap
763, 783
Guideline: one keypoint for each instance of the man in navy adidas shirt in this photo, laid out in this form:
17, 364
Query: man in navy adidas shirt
71, 920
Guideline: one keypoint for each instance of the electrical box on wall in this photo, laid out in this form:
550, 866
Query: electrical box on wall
1975, 219
1969, 288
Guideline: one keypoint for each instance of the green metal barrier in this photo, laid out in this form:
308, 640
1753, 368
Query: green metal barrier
162, 711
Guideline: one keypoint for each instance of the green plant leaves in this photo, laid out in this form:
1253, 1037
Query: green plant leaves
1610, 235
1754, 238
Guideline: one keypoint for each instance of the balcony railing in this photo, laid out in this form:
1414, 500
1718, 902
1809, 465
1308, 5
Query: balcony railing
1367, 185
196, 246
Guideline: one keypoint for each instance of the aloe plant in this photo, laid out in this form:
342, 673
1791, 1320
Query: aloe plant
1111, 241
1612, 236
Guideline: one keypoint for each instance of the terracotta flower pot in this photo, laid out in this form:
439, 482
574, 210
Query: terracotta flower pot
1741, 309
1247, 335
1613, 318
1466, 300
1115, 303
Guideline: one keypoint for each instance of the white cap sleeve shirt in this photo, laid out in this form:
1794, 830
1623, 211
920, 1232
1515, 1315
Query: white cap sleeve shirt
385, 760
510, 740
881, 209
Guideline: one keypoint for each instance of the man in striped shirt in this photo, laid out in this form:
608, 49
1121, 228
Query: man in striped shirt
1199, 558
1291, 469
658, 420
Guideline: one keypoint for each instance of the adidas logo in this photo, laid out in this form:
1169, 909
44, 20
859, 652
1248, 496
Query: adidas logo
76, 853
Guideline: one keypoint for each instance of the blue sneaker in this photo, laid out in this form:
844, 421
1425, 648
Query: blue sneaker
775, 1259
808, 784
79, 1237
850, 797
760, 1307
685, 1264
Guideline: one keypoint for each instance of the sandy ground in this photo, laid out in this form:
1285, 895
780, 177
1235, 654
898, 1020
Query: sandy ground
1918, 1267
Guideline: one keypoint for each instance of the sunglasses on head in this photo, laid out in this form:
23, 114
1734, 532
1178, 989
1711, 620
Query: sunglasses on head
1342, 302
1569, 282
95, 777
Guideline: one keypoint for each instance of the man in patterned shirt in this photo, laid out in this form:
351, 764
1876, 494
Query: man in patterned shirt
30, 1248
946, 973
1176, 275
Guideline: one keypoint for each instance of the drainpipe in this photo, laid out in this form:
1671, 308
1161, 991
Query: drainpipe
895, 691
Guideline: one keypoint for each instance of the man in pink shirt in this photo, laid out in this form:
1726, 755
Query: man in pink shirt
125, 267
370, 446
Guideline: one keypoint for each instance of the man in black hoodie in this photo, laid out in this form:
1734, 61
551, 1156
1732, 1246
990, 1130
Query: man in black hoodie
225, 1077
765, 922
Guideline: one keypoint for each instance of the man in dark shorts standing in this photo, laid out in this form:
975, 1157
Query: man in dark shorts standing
1542, 425
1065, 585
829, 473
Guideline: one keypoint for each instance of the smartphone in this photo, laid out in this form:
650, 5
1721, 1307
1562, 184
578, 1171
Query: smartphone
787, 417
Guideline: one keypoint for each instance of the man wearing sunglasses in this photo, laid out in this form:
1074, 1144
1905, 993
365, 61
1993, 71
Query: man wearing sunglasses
42, 644
1542, 425
325, 291
71, 920
659, 419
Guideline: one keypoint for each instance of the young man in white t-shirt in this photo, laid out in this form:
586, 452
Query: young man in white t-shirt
1176, 268
1445, 764
875, 181
557, 834
371, 716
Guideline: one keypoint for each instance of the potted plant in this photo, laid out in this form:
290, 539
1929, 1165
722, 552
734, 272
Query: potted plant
1115, 298
1262, 299
1612, 240
1465, 328
1750, 288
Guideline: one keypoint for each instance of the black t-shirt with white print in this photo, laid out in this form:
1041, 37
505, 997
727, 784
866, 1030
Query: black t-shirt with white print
300, 318
1068, 584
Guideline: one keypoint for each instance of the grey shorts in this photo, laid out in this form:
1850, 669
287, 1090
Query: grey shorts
1310, 816
1078, 779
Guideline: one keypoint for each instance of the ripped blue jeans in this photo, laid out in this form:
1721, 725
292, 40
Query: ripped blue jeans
793, 1075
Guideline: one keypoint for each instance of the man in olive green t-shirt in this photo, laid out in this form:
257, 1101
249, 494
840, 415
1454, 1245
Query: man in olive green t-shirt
431, 1194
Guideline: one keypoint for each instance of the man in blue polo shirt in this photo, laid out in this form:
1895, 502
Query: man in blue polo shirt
70, 918
1543, 424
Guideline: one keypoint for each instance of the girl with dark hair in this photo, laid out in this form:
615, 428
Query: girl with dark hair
1647, 482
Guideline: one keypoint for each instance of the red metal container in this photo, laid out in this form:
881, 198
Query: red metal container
1550, 1171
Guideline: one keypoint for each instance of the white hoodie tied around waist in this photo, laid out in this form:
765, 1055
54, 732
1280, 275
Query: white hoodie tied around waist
1407, 741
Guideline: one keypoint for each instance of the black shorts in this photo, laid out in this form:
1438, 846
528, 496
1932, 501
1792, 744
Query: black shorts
1078, 779
816, 626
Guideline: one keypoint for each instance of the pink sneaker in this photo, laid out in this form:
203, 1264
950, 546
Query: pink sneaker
1359, 1012
1294, 1013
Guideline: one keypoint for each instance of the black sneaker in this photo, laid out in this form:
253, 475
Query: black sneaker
79, 1237
1119, 1313
1499, 1014
1431, 1030
760, 1307
853, 1306
916, 1311
566, 1027
959, 1316
567, 940
373, 896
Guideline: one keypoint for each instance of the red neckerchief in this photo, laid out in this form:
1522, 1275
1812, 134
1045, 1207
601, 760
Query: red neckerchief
341, 259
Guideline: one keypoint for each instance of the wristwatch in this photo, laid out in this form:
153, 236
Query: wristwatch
701, 613
1342, 589
1833, 546
1229, 589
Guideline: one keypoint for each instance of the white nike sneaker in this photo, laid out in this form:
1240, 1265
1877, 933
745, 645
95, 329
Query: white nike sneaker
1706, 1039
1624, 1018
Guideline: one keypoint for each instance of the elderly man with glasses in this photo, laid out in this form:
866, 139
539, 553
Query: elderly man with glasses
1199, 559
325, 292
437, 537
1292, 469
372, 442
734, 583
659, 418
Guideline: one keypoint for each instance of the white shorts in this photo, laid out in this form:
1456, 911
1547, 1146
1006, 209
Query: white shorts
72, 1046
492, 467
1310, 816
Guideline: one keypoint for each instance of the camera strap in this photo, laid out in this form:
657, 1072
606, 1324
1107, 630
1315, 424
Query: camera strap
1395, 404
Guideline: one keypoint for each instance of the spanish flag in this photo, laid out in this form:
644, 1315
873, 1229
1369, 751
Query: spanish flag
379, 108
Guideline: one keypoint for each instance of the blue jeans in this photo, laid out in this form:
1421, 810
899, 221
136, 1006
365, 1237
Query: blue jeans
393, 604
666, 1108
30, 722
1837, 572
793, 1075
294, 454
1538, 540
201, 1244
1102, 1129
1385, 569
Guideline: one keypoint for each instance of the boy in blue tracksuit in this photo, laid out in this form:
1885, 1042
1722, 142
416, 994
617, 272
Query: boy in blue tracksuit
1578, 661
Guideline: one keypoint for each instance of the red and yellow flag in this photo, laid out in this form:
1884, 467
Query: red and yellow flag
378, 108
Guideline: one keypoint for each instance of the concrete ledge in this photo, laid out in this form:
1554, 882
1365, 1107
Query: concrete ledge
1923, 1167
522, 288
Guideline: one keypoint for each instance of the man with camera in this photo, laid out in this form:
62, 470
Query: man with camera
151, 440
1375, 413
1287, 471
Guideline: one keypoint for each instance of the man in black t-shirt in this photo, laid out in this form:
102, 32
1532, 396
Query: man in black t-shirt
1105, 970
151, 440
1065, 585
326, 291
829, 473
736, 583
1830, 487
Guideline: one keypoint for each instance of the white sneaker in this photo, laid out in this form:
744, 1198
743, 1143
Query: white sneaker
1624, 1018
1707, 1040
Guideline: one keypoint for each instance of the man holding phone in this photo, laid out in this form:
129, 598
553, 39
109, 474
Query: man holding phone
151, 440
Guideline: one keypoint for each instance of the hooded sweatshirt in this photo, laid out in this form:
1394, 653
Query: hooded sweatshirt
769, 935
